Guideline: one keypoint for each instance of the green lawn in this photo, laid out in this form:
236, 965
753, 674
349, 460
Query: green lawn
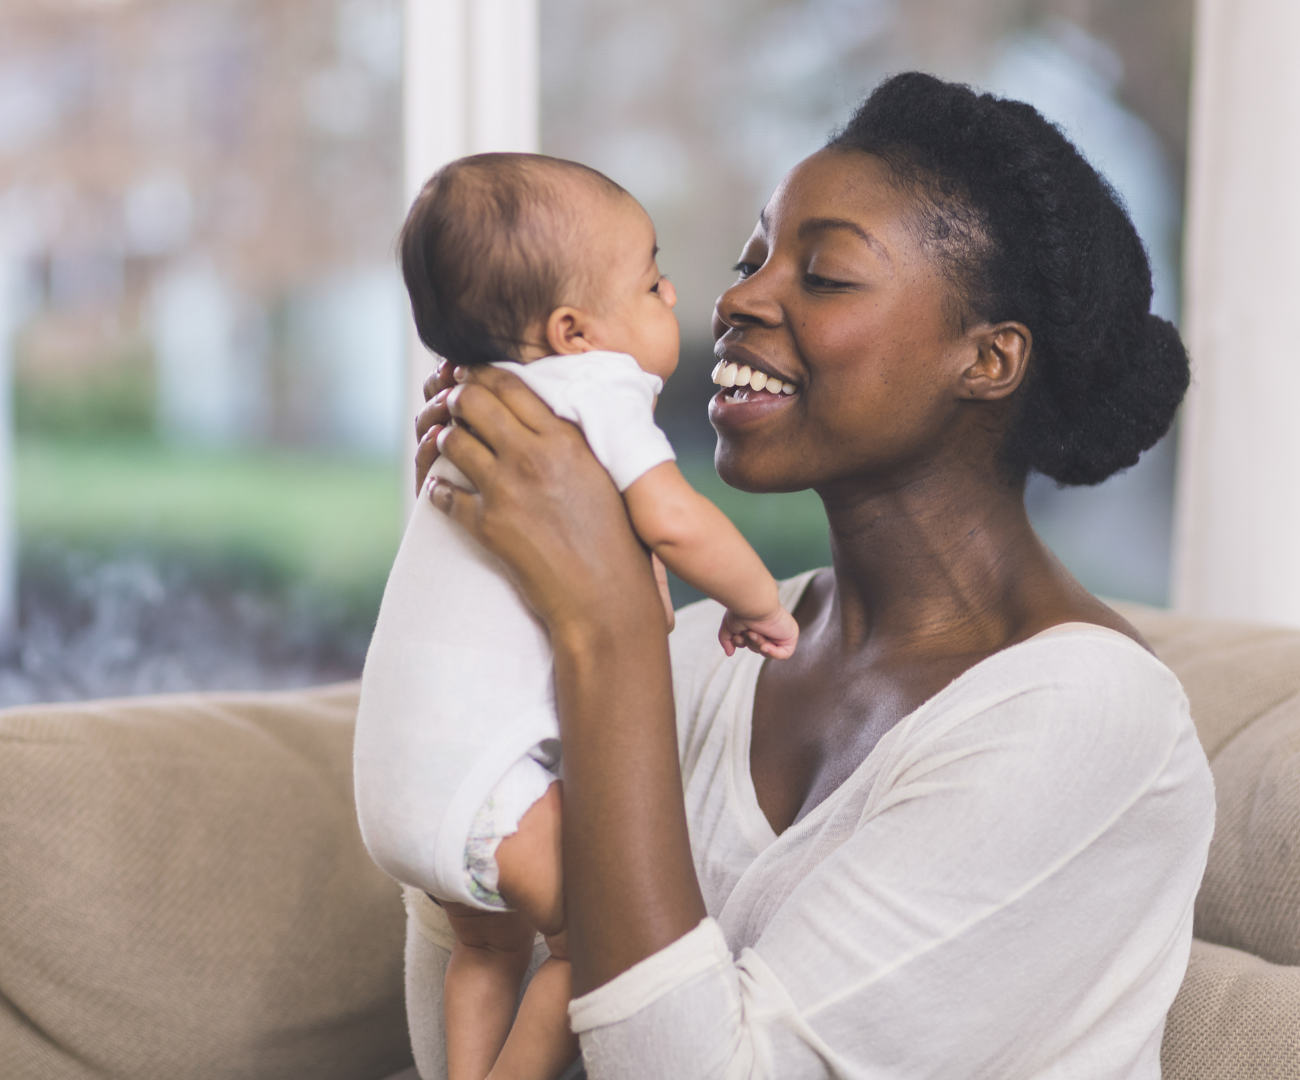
333, 521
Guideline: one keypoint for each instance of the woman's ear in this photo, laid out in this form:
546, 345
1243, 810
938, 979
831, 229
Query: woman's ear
566, 331
1002, 358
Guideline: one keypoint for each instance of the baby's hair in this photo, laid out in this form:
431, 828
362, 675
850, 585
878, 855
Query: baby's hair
486, 251
1028, 231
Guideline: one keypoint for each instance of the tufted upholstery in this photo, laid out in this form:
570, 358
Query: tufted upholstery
1238, 1013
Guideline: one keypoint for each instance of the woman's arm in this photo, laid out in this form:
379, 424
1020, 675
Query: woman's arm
548, 509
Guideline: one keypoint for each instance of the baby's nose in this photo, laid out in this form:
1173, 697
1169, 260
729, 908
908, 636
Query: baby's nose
668, 292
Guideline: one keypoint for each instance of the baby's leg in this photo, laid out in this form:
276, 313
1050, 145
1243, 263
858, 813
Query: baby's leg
528, 861
541, 1044
487, 966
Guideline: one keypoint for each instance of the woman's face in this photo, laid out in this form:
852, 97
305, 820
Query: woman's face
837, 297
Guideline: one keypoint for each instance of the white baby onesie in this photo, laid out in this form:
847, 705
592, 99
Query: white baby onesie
457, 689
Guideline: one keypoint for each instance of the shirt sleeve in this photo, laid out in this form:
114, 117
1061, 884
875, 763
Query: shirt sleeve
1015, 897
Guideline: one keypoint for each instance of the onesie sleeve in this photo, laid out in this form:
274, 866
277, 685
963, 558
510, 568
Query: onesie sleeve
1013, 899
612, 400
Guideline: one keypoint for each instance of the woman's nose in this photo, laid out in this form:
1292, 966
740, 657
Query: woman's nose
747, 303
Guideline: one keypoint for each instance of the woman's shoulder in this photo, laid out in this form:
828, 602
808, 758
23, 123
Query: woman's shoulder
1095, 686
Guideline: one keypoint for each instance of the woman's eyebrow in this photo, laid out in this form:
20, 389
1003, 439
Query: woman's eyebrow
823, 224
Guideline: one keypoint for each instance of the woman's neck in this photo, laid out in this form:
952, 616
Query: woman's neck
943, 561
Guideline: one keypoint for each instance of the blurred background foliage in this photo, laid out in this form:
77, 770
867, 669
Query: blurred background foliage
198, 201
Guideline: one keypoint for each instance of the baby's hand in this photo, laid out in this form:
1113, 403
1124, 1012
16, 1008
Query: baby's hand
773, 635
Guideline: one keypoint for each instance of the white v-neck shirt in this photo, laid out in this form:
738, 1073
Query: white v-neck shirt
1003, 888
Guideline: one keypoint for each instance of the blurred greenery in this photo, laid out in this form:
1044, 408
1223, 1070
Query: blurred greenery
789, 532
114, 399
328, 522
332, 521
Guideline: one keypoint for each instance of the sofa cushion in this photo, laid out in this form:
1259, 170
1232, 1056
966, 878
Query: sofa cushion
1250, 898
1243, 683
185, 894
1232, 672
1235, 1016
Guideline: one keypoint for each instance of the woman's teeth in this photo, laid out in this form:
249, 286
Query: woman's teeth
739, 375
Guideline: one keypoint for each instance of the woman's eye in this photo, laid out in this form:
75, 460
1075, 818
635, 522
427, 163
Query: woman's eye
815, 281
744, 269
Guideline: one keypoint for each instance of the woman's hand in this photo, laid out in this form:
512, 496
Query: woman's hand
431, 420
545, 506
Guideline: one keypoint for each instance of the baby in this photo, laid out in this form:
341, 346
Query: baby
546, 268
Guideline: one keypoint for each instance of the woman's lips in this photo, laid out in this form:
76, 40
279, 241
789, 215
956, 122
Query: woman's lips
747, 394
731, 375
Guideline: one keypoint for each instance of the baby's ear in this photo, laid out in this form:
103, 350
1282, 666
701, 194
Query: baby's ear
566, 331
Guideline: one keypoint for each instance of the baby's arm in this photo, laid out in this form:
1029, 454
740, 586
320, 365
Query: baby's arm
698, 543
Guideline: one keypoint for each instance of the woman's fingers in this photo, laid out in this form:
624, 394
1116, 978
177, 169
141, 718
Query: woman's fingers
512, 392
434, 411
466, 451
497, 423
459, 505
441, 378
426, 453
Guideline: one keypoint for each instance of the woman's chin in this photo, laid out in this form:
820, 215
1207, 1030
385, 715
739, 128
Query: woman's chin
748, 470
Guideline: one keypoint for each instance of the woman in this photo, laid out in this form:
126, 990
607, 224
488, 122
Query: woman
961, 831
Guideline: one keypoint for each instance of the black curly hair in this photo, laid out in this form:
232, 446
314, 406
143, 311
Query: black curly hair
1028, 231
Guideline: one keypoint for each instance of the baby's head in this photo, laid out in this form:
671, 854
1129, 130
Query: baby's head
519, 256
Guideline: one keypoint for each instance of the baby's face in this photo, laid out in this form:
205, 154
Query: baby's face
630, 301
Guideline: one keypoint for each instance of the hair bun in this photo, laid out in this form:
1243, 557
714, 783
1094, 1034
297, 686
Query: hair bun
1128, 408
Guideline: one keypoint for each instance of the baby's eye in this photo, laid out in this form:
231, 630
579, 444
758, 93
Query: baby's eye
662, 279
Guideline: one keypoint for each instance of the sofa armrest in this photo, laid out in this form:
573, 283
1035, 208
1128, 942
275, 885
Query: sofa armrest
186, 894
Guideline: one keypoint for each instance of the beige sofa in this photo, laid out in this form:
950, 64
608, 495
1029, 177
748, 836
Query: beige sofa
183, 892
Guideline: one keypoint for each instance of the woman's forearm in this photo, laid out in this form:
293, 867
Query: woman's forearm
629, 879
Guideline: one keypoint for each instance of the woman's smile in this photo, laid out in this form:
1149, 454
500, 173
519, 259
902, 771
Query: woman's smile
751, 387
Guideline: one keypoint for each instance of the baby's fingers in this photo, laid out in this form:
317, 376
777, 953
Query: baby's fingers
776, 651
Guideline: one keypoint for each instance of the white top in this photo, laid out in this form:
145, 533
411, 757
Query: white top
1003, 888
612, 400
457, 686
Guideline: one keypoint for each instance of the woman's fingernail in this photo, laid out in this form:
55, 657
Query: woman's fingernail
441, 437
440, 493
460, 374
442, 366
440, 397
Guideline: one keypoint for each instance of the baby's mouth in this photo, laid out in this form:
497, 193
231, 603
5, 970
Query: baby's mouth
739, 377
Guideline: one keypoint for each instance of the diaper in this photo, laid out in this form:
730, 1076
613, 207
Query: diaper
524, 783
